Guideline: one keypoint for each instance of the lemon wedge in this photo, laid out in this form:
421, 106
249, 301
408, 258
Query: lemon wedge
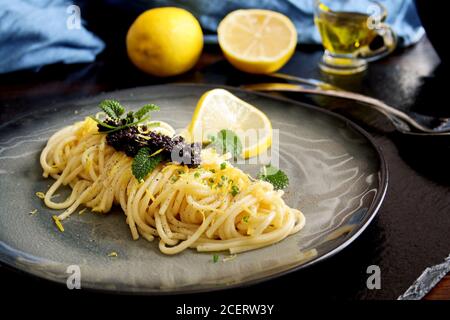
219, 109
257, 41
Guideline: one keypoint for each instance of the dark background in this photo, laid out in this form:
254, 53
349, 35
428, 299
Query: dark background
411, 231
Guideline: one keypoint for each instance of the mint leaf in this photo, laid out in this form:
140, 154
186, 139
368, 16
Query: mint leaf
228, 141
145, 109
143, 163
112, 108
275, 176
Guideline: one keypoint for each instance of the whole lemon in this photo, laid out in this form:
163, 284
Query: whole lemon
165, 41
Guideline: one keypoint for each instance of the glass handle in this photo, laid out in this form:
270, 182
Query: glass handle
389, 40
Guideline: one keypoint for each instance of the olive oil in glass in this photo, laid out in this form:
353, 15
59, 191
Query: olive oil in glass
347, 35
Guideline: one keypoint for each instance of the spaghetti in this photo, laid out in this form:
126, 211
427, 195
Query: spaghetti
213, 207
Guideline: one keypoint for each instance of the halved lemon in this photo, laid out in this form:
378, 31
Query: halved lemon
219, 109
257, 41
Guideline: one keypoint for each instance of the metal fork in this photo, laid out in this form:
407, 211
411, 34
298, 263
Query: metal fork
403, 122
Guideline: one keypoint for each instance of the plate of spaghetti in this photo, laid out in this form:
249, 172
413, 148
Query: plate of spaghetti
125, 189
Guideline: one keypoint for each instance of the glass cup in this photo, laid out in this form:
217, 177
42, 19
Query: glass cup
352, 38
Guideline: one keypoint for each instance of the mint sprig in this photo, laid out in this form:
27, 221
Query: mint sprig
227, 141
144, 162
144, 110
275, 176
112, 108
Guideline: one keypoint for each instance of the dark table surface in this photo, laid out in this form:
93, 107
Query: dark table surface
411, 231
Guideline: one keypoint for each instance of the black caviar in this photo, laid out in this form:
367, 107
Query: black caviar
130, 140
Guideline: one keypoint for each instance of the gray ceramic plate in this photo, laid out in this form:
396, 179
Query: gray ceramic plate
337, 178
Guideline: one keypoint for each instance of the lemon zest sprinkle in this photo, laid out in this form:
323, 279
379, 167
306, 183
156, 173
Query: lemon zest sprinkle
229, 258
150, 195
157, 152
40, 195
33, 212
112, 254
58, 223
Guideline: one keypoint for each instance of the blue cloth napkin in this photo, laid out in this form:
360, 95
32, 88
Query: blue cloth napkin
402, 14
34, 33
